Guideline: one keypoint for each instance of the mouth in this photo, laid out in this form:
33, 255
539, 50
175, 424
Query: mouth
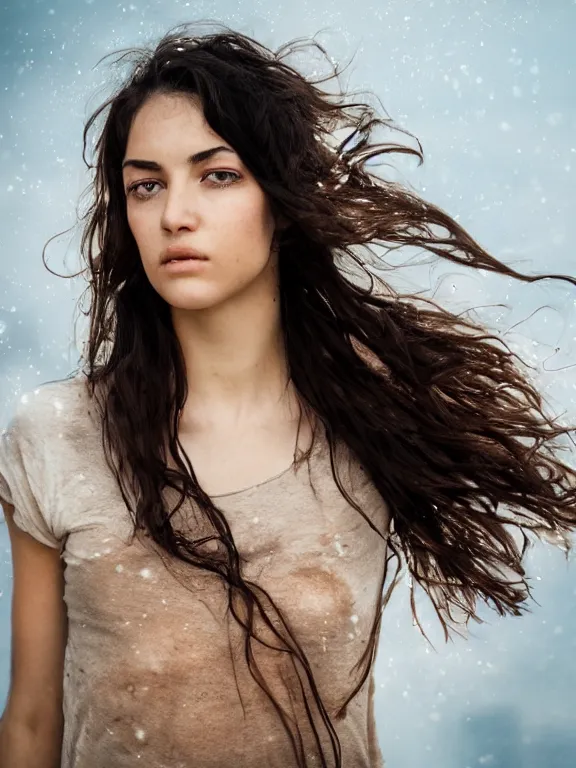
174, 254
182, 258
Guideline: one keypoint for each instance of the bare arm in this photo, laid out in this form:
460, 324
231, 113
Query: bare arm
32, 723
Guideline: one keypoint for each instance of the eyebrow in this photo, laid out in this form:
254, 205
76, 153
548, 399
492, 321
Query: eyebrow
196, 159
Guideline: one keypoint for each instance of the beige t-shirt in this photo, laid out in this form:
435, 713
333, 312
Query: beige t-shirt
155, 667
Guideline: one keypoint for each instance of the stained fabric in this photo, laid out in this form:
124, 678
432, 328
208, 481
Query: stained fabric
155, 669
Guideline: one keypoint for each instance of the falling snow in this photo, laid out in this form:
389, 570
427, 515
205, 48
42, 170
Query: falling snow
488, 89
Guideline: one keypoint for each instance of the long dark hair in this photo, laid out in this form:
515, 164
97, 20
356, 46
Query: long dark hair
453, 435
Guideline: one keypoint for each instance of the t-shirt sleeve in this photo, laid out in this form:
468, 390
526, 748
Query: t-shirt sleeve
23, 474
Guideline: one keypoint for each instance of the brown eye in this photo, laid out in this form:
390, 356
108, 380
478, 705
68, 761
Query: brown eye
132, 190
236, 177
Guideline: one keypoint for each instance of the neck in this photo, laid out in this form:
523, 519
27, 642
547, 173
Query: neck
235, 359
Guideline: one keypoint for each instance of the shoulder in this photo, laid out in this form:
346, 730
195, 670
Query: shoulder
37, 453
49, 408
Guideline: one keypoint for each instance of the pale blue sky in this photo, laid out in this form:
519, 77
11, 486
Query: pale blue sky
489, 88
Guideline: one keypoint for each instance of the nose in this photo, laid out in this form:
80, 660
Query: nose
179, 211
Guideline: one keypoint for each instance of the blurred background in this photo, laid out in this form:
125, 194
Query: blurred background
489, 88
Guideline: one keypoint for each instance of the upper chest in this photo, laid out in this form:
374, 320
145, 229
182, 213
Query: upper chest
227, 459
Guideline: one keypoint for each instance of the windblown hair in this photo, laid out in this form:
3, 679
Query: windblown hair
452, 433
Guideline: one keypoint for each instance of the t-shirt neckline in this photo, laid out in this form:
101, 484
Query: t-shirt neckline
315, 447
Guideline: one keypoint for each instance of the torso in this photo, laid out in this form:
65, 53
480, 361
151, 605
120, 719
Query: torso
155, 669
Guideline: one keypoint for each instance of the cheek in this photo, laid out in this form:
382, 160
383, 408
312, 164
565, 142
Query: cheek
251, 221
138, 224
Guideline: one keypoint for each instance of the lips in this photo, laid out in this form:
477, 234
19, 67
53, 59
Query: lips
180, 253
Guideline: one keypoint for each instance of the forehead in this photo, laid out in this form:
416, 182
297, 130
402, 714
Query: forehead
166, 118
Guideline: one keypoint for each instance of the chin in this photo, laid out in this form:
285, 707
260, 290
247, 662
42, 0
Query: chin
193, 300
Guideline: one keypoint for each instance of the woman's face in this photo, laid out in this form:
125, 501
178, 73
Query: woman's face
214, 206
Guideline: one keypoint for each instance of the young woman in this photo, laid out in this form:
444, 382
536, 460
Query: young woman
202, 518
